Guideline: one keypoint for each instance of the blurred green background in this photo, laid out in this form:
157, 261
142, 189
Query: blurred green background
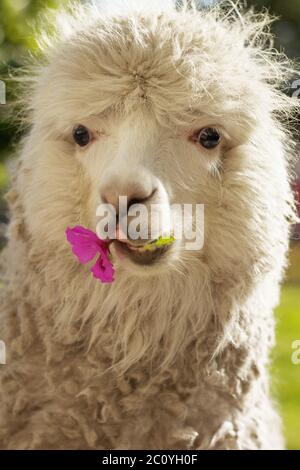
17, 42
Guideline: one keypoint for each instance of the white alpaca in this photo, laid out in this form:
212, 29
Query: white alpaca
177, 106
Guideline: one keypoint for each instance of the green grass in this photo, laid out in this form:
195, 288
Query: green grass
293, 273
286, 375
3, 176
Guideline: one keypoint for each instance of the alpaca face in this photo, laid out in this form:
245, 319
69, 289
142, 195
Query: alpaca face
136, 159
147, 107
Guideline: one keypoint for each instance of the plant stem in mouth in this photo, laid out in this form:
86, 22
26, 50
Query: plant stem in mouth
161, 241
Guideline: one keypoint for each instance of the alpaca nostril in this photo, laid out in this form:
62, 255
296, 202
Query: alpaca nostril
104, 199
134, 201
140, 200
133, 197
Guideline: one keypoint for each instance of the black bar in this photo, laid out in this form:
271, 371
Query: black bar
138, 459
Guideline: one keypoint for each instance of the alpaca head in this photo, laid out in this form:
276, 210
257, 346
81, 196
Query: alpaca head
164, 107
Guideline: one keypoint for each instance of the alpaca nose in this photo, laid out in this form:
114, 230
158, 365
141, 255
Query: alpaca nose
135, 192
112, 196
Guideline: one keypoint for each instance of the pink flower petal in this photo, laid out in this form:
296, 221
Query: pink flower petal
81, 235
85, 245
103, 270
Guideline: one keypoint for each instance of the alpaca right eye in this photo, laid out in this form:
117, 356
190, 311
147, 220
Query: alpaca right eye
82, 136
208, 137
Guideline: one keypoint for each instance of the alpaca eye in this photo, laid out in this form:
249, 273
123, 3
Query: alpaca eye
209, 138
82, 136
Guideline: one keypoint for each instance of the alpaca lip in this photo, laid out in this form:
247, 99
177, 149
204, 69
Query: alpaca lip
141, 257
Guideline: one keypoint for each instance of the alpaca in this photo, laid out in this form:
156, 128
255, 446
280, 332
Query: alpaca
157, 103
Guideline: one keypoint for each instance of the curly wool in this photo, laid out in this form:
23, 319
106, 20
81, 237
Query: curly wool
179, 359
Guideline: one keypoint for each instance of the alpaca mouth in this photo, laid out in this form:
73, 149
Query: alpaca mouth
140, 255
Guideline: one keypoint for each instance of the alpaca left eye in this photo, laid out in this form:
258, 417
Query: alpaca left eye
82, 135
209, 138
